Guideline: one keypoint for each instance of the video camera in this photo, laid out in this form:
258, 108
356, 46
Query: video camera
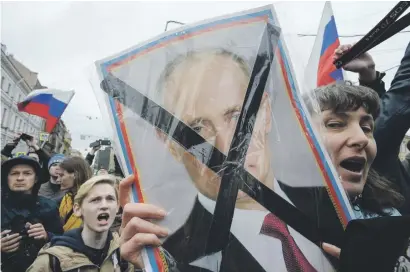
22, 137
100, 143
25, 137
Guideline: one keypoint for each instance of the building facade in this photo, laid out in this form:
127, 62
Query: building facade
59, 141
17, 81
67, 143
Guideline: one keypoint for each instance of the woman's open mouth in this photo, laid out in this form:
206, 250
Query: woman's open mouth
353, 166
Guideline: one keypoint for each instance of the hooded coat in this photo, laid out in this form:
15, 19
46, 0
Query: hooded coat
17, 209
73, 255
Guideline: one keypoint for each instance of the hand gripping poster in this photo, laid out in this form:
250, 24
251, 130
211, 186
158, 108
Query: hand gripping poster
209, 119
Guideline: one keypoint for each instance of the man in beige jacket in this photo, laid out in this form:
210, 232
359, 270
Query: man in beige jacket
93, 247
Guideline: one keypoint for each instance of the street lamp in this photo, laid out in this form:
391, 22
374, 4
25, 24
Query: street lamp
172, 21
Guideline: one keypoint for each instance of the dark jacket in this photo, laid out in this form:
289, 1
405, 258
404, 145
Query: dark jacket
7, 149
16, 210
377, 244
391, 127
15, 213
118, 172
89, 158
52, 191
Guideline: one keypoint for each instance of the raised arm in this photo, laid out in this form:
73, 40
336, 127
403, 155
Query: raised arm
394, 119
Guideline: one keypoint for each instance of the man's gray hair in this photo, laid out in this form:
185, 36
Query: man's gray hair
342, 96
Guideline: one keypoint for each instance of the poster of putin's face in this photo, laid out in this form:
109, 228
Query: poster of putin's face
209, 119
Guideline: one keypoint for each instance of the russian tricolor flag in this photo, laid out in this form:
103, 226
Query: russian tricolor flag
320, 69
49, 104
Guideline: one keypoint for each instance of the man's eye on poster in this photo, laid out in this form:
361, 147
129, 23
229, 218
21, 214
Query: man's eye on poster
211, 120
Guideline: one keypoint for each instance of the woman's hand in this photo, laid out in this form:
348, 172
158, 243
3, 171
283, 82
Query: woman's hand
363, 65
37, 231
331, 250
9, 243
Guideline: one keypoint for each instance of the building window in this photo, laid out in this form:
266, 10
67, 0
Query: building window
8, 88
15, 123
4, 117
19, 126
2, 82
19, 98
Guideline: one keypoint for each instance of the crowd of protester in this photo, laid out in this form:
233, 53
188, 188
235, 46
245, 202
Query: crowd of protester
40, 195
57, 216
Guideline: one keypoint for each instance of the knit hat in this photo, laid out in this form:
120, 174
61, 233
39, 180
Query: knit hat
58, 158
21, 160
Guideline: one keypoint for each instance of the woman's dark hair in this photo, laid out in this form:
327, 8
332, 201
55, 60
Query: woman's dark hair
378, 192
341, 97
80, 168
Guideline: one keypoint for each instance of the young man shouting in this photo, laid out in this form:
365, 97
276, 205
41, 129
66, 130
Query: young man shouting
92, 247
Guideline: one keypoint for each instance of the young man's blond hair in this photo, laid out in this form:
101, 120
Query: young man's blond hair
87, 186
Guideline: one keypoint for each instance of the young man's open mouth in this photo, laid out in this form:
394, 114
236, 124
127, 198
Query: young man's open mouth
103, 218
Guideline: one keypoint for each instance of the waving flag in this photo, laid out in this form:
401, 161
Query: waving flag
320, 69
49, 104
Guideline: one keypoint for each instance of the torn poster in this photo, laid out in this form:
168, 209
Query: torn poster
209, 119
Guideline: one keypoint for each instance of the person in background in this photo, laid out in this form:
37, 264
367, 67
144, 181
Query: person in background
90, 155
51, 189
28, 221
394, 120
117, 169
74, 171
93, 247
34, 151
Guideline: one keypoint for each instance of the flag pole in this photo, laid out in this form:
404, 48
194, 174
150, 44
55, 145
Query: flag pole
48, 139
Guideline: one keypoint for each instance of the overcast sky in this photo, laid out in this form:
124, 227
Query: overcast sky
62, 40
